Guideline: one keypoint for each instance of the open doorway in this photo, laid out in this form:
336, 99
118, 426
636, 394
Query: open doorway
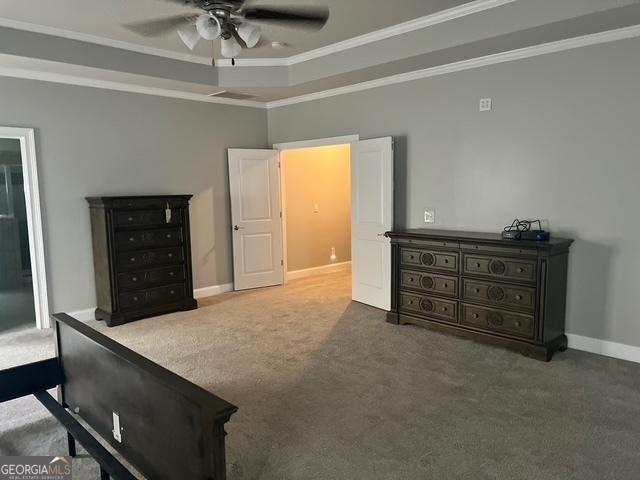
23, 295
258, 218
316, 210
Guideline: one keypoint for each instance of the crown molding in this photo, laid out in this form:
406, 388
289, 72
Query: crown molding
509, 56
120, 86
443, 16
519, 54
106, 42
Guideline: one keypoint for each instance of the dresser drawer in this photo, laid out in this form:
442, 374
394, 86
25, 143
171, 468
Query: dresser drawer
429, 259
429, 282
153, 297
497, 320
500, 295
148, 238
138, 218
170, 294
133, 300
439, 308
159, 276
142, 259
498, 267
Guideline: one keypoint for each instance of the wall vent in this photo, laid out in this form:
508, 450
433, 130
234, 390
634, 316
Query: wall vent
232, 95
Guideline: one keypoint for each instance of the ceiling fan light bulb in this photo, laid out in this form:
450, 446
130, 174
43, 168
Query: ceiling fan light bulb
189, 37
230, 47
249, 34
208, 27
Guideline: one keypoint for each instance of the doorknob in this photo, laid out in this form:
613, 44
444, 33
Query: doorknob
236, 227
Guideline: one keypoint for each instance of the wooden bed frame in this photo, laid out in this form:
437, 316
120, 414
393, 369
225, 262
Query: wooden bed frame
169, 427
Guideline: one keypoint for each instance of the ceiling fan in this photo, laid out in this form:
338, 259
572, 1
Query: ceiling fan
231, 21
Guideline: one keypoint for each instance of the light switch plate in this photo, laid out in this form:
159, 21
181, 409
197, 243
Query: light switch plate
429, 216
485, 104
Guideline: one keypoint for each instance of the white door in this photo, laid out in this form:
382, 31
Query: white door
371, 217
254, 184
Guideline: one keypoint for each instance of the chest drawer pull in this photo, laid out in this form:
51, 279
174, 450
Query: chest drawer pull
131, 239
475, 315
132, 259
518, 297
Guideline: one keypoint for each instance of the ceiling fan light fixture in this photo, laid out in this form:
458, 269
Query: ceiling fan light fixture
189, 36
230, 47
250, 34
208, 27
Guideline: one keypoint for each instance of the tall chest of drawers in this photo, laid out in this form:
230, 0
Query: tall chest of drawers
505, 292
141, 256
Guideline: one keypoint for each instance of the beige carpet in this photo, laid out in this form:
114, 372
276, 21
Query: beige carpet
328, 390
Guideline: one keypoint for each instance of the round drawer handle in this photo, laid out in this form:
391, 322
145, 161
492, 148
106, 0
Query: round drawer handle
411, 257
135, 299
411, 279
444, 309
133, 259
131, 239
475, 315
446, 285
410, 302
134, 279
172, 292
477, 265
476, 290
170, 255
130, 219
518, 324
520, 269
446, 260
168, 235
171, 274
518, 297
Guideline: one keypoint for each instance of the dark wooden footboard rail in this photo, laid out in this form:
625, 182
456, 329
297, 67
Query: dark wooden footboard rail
163, 425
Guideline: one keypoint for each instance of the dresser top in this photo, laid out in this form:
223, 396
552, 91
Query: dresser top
480, 237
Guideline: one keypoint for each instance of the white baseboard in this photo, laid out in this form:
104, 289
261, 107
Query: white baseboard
212, 290
308, 272
604, 347
89, 313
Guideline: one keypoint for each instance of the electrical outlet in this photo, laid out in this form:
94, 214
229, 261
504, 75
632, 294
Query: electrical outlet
117, 431
316, 208
485, 104
429, 216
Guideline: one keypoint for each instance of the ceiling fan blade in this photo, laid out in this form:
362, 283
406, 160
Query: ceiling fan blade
160, 26
312, 18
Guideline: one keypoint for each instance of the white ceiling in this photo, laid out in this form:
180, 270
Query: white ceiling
104, 18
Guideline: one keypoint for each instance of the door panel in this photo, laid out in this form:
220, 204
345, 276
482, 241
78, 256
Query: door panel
372, 216
254, 183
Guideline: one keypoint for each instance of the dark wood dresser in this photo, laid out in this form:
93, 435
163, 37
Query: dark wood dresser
141, 256
506, 292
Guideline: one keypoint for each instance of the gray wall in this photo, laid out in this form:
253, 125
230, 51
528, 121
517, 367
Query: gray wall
561, 144
92, 142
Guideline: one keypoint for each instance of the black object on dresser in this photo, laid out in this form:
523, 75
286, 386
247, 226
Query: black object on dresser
506, 292
141, 256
